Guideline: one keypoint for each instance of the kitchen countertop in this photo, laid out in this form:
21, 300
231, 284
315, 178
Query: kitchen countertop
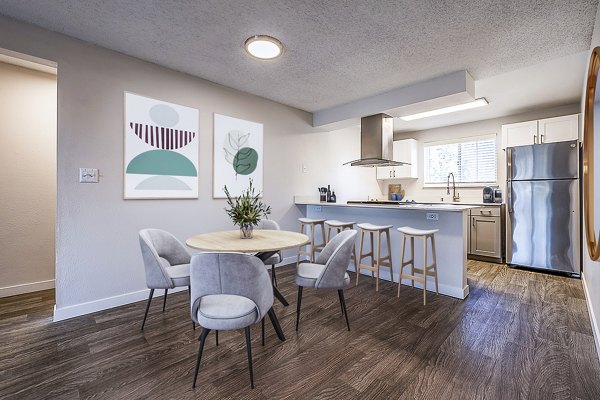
458, 203
396, 206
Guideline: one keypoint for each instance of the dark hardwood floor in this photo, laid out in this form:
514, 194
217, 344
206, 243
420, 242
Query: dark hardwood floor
519, 335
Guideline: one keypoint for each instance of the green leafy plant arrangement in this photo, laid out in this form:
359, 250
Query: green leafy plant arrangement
247, 209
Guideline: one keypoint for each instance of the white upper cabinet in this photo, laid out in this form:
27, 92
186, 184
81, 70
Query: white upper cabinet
559, 129
520, 134
405, 151
547, 130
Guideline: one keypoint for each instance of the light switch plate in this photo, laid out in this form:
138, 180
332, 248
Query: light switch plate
88, 175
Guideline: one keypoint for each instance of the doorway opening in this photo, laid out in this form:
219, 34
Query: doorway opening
28, 165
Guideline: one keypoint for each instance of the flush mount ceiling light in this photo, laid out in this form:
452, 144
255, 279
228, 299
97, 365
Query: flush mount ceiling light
465, 106
263, 47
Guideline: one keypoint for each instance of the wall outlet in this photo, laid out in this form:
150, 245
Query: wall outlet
88, 175
317, 208
304, 168
433, 216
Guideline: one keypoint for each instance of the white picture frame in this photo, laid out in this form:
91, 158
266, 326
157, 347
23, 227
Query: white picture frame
237, 155
160, 150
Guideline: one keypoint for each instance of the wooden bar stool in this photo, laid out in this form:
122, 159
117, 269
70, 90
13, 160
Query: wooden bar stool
312, 246
376, 262
427, 270
339, 226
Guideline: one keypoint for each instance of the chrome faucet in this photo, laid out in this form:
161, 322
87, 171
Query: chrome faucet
455, 196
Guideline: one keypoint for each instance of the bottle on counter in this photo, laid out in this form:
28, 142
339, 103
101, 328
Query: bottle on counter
333, 198
328, 194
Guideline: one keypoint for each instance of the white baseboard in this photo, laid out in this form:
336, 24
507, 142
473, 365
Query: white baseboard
595, 329
120, 300
132, 297
26, 288
106, 303
459, 293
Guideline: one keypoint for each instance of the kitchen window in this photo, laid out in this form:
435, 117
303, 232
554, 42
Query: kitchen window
472, 160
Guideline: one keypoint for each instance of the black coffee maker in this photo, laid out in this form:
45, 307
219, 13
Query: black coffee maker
322, 194
488, 194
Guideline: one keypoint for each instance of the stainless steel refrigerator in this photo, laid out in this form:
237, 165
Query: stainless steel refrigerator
542, 222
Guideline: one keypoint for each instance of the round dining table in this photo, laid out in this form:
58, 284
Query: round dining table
263, 244
262, 241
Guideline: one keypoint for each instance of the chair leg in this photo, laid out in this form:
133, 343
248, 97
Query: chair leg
298, 304
201, 338
425, 271
147, 307
360, 255
217, 337
412, 255
389, 246
276, 326
401, 263
249, 350
273, 276
262, 330
434, 264
372, 252
165, 300
378, 260
190, 299
343, 302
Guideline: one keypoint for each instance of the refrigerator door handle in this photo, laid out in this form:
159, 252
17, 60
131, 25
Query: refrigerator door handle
509, 197
509, 164
509, 170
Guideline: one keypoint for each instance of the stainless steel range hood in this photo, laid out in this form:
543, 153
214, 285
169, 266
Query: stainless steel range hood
376, 142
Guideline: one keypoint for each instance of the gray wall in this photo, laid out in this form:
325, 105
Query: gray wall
28, 176
98, 263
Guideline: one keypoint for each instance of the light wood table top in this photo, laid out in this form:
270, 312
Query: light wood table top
262, 241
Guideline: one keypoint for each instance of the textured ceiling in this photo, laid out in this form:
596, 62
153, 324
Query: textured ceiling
336, 51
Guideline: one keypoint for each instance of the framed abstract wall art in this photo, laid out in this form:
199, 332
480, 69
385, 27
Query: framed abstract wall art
238, 155
161, 149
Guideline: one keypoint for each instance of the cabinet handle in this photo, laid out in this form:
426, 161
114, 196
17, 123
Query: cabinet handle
473, 220
542, 141
394, 173
534, 139
390, 173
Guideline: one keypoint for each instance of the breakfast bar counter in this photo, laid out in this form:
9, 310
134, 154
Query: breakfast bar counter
451, 240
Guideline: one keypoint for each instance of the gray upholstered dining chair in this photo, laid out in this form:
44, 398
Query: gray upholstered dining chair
276, 258
166, 261
328, 271
229, 291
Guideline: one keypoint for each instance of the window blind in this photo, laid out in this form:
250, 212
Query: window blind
472, 160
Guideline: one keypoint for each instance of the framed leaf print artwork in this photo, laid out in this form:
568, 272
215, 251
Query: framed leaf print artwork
161, 149
238, 155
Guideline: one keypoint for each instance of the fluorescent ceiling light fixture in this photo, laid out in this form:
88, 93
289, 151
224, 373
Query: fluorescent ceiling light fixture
263, 47
465, 106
